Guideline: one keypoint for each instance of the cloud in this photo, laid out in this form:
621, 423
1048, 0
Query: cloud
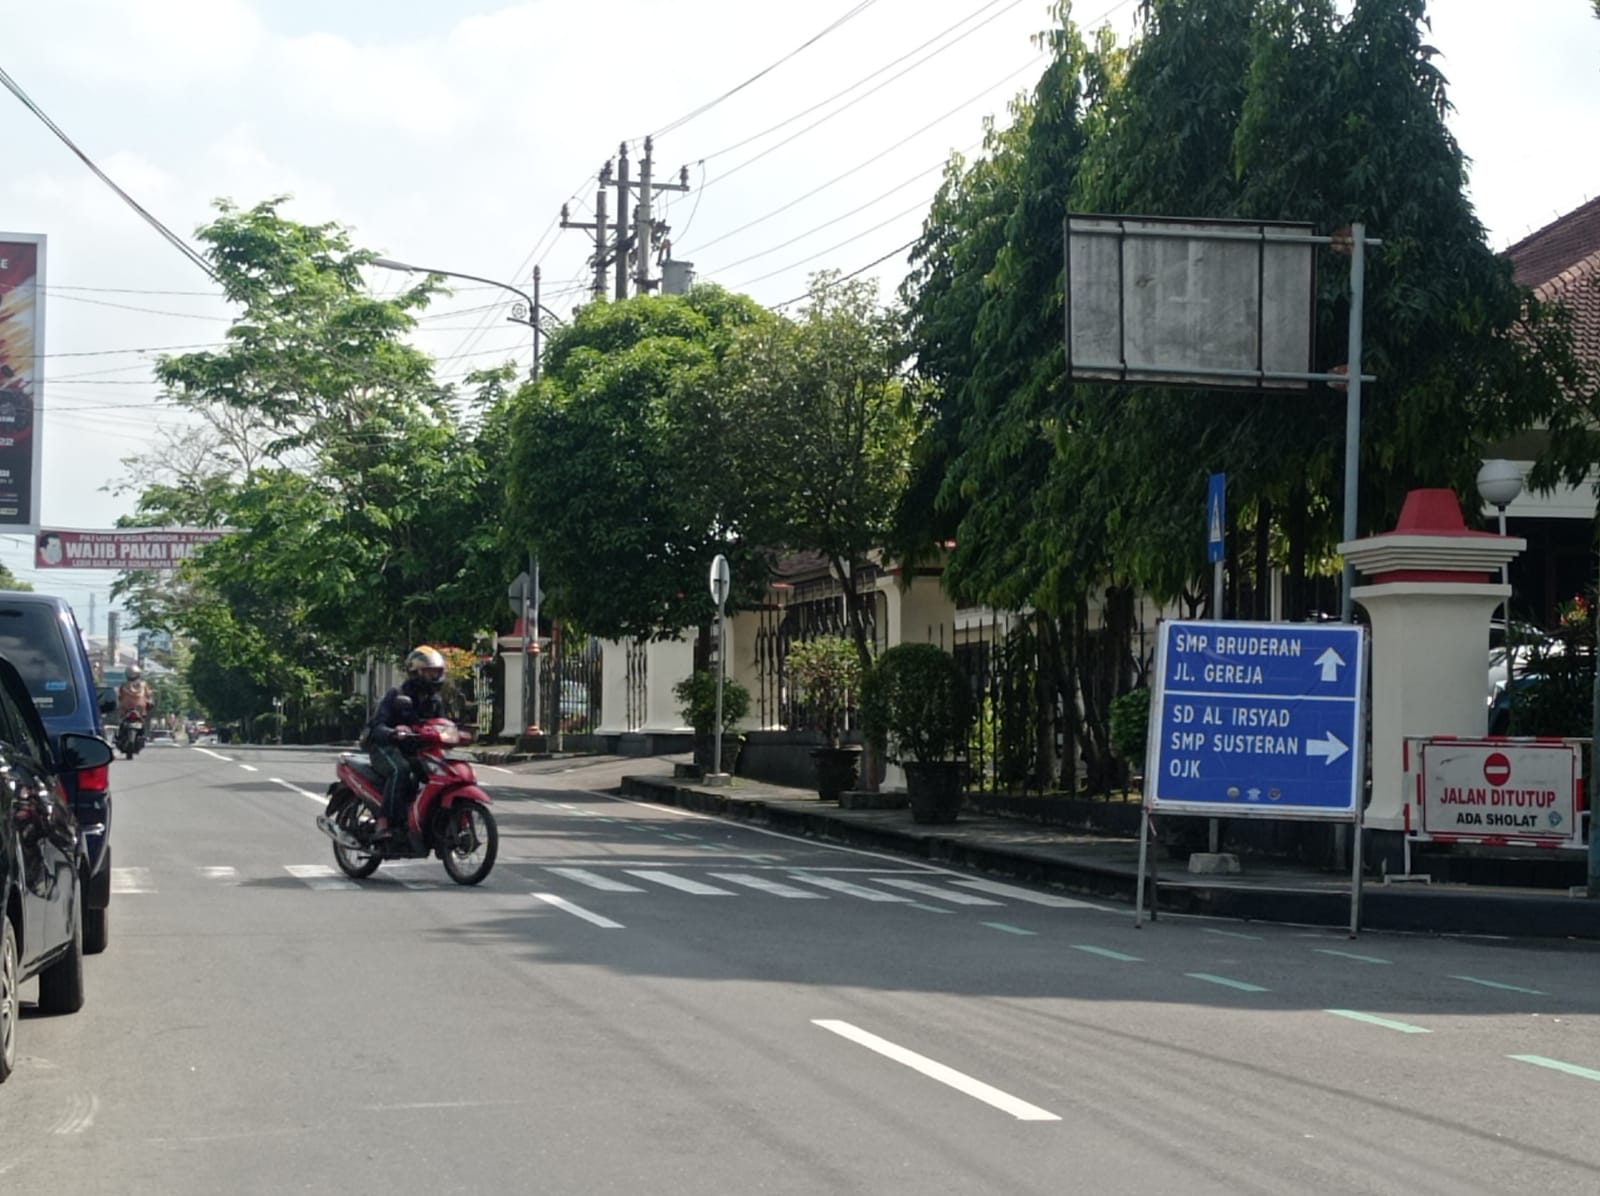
163, 45
394, 87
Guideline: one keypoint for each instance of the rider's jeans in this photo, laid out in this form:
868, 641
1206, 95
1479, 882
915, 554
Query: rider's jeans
396, 770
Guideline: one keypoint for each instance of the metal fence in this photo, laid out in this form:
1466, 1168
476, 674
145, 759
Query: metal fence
569, 684
800, 612
636, 682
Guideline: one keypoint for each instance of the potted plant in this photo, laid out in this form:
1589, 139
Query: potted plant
917, 709
827, 672
697, 702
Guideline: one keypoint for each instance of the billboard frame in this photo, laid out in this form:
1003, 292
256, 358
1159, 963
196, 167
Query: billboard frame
40, 242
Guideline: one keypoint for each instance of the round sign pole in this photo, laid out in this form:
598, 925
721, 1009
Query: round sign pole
721, 580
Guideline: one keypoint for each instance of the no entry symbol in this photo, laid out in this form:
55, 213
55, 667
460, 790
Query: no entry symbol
1497, 769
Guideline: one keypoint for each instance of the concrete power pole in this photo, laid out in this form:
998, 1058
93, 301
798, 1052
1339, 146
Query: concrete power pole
600, 228
645, 226
624, 195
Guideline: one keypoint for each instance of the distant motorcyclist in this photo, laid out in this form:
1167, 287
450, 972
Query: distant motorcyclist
413, 702
134, 695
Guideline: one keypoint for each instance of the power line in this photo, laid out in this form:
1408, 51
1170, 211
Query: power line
177, 242
764, 71
822, 120
847, 277
824, 252
874, 159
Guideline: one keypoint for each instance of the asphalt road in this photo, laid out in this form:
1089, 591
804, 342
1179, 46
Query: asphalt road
644, 1000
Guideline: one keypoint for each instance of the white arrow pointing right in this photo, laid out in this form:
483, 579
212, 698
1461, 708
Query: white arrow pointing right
1331, 747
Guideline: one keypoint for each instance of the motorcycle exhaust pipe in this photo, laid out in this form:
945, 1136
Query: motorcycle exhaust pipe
339, 836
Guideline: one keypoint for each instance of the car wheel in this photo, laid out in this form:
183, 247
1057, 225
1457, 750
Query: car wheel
10, 1002
61, 984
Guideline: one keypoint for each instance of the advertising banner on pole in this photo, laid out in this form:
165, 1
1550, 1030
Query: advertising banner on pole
21, 354
127, 548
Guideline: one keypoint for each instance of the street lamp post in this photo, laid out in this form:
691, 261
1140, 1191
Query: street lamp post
527, 313
1499, 483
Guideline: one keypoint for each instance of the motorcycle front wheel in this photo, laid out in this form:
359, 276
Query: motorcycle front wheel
469, 842
356, 819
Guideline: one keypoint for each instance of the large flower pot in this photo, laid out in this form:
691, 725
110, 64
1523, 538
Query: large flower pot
837, 769
703, 751
935, 790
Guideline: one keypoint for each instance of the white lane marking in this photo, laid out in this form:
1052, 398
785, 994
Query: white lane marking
1372, 1019
1028, 895
578, 911
1349, 955
249, 768
215, 755
497, 768
223, 872
1243, 986
1510, 988
1572, 1069
961, 1082
595, 881
320, 876
1231, 934
319, 798
682, 883
768, 886
916, 886
844, 886
131, 880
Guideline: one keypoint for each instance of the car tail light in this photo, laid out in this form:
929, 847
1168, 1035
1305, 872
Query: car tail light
94, 780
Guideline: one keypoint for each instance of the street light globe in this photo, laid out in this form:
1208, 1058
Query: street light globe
1499, 482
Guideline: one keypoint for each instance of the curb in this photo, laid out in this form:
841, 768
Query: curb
1417, 911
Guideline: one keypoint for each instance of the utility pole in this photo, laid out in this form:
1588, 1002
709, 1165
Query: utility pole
623, 196
645, 226
600, 228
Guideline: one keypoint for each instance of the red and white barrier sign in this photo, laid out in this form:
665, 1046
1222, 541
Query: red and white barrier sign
1500, 790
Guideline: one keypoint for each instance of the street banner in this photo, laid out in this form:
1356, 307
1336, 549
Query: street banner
124, 548
21, 350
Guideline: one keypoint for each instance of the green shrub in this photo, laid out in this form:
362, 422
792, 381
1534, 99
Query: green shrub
916, 704
1130, 726
828, 672
697, 702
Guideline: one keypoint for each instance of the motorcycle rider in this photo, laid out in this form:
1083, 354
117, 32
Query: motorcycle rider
134, 696
414, 701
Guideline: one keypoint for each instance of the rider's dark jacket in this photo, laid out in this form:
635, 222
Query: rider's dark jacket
392, 713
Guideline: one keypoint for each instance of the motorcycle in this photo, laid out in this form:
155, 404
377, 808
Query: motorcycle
130, 734
450, 815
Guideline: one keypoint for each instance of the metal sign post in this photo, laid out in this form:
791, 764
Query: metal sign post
1258, 720
1216, 521
721, 583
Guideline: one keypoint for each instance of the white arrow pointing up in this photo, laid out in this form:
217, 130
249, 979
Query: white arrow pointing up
1331, 663
1331, 747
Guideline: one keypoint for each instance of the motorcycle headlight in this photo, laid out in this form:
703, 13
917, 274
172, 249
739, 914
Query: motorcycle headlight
449, 736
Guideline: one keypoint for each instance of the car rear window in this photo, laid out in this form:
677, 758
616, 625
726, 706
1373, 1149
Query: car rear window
32, 638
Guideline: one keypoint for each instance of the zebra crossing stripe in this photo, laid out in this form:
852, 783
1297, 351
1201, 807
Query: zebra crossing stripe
844, 886
595, 881
682, 883
320, 876
776, 888
131, 880
916, 886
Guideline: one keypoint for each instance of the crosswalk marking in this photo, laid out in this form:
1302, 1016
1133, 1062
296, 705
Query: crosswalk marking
774, 887
1028, 895
320, 876
682, 883
844, 886
578, 911
916, 886
595, 881
131, 880
223, 872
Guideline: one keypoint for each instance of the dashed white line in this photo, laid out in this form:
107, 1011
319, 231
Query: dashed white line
249, 768
319, 798
961, 1082
214, 755
578, 911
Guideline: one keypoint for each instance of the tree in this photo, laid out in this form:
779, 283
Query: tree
10, 581
820, 404
621, 472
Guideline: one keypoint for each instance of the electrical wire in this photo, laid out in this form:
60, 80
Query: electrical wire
749, 282
847, 277
171, 237
849, 15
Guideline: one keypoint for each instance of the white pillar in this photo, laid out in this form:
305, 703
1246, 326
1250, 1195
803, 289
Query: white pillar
670, 661
613, 687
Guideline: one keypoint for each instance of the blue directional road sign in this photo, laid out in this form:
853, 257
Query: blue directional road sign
1216, 516
1257, 720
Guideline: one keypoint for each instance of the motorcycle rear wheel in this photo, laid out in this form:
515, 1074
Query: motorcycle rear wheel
352, 818
471, 840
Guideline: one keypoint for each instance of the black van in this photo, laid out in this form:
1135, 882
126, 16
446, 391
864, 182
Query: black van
40, 636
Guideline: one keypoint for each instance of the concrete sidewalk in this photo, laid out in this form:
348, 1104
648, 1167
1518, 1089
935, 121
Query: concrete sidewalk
1267, 891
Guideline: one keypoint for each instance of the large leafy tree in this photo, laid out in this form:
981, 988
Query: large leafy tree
821, 414
622, 474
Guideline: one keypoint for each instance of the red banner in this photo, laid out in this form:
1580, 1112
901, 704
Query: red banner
130, 548
21, 343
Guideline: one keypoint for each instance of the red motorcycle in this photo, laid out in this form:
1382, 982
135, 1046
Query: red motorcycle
450, 815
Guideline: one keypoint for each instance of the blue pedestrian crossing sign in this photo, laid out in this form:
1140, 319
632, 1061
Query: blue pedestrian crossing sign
1258, 720
1216, 516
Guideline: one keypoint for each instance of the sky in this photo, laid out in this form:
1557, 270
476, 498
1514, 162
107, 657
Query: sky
450, 135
